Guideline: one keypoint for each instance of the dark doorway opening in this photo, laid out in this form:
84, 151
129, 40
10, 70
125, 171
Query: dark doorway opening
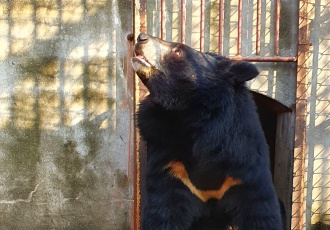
268, 109
268, 121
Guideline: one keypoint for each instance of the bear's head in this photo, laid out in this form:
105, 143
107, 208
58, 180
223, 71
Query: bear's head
174, 73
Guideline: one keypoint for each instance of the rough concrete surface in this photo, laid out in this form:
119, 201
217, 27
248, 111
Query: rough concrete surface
317, 173
65, 121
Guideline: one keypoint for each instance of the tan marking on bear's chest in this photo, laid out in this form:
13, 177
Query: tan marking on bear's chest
178, 170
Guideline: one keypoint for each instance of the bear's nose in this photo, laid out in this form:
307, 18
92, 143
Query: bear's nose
142, 37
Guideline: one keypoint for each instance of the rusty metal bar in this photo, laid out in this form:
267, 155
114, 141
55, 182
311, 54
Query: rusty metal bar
140, 146
183, 21
297, 221
201, 41
277, 27
143, 15
258, 27
220, 28
263, 59
162, 19
132, 154
239, 28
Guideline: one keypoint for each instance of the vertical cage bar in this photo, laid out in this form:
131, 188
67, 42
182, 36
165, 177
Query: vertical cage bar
140, 145
277, 27
135, 209
220, 28
201, 41
183, 21
162, 19
258, 27
239, 29
132, 163
298, 194
143, 16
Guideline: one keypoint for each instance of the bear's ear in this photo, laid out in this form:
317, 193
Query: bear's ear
243, 71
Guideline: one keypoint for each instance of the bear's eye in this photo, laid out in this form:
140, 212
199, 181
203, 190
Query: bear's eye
177, 52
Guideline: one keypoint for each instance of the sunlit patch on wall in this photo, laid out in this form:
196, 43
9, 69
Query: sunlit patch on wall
4, 48
264, 84
72, 11
96, 49
3, 10
99, 48
320, 184
4, 32
49, 72
49, 101
22, 28
47, 22
22, 36
86, 89
174, 19
322, 120
266, 38
321, 157
94, 6
77, 53
25, 107
97, 72
73, 89
22, 11
49, 104
74, 111
232, 27
322, 103
4, 110
25, 110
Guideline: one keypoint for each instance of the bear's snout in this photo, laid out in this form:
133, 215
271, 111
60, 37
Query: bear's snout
149, 53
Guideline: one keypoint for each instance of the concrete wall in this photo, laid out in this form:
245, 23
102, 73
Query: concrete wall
317, 170
66, 128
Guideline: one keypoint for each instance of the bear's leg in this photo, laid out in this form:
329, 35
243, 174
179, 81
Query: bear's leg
174, 210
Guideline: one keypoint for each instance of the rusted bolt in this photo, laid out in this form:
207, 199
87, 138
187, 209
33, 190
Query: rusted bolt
130, 37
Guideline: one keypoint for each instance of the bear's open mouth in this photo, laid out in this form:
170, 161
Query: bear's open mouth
138, 57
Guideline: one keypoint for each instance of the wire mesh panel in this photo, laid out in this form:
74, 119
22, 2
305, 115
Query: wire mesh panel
253, 30
242, 30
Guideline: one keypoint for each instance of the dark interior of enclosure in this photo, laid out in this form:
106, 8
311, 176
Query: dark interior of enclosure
268, 119
268, 110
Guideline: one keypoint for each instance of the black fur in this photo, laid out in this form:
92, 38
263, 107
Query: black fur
199, 112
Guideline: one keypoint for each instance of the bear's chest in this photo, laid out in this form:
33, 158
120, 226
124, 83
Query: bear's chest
159, 122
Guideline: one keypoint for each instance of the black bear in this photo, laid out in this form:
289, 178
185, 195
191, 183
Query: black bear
207, 157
